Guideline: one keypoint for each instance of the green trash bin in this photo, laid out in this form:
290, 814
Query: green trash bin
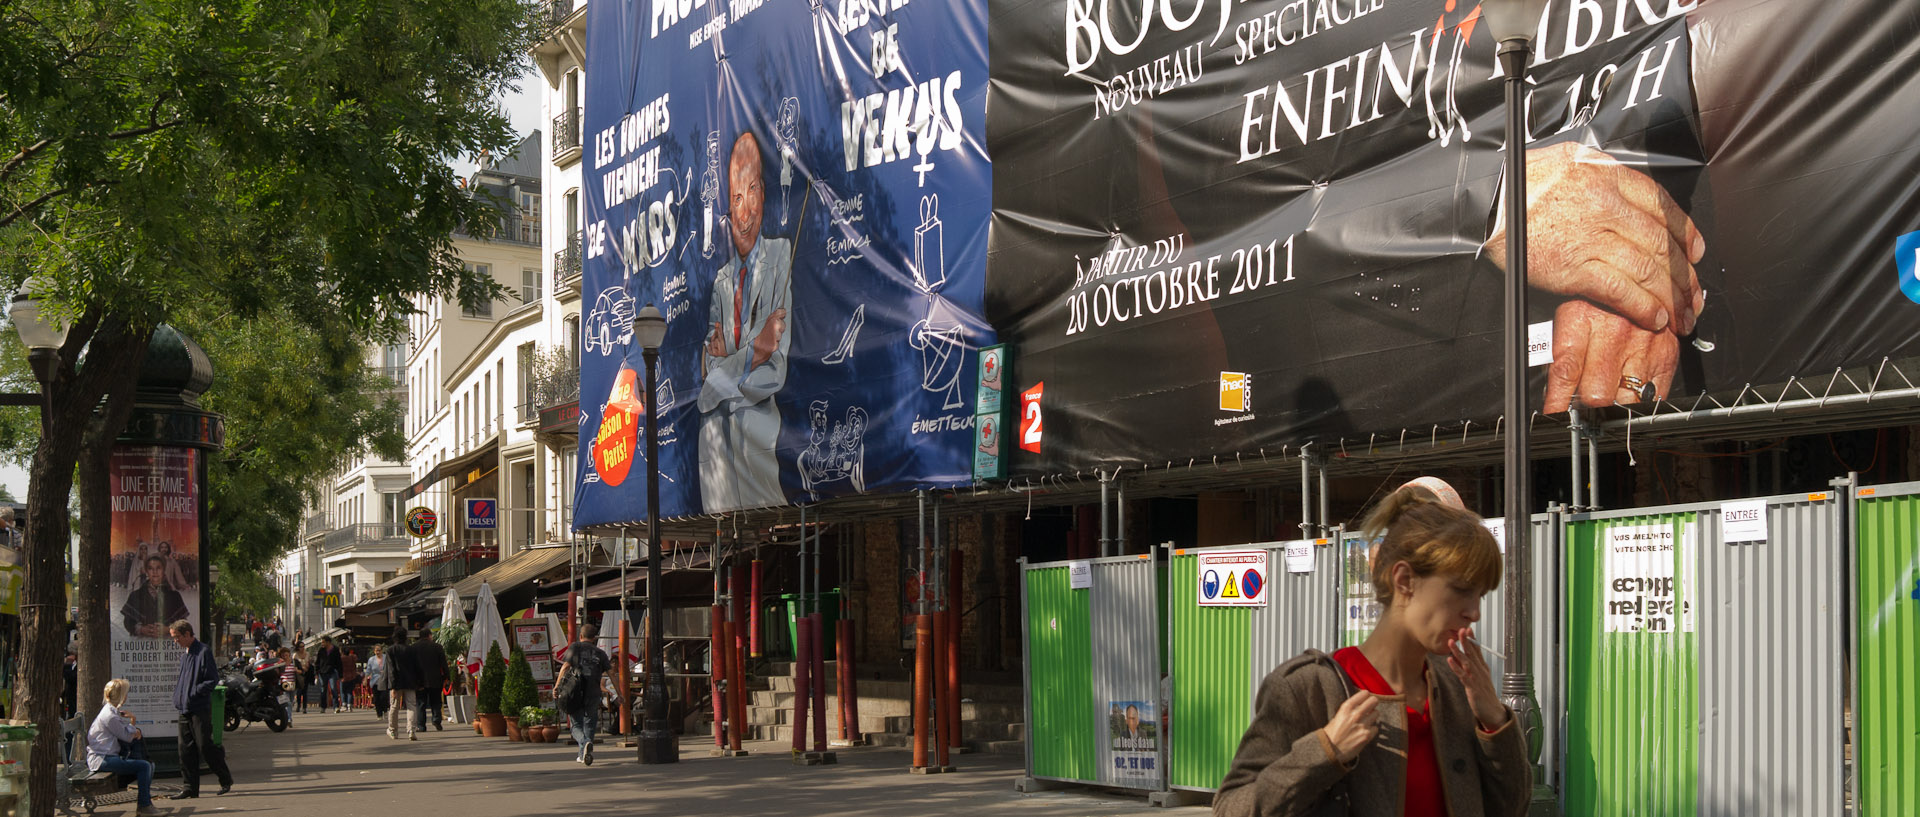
829, 615
16, 753
219, 713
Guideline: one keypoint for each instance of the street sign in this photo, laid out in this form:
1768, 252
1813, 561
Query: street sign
330, 599
482, 514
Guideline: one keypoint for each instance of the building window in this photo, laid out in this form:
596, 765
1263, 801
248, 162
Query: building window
530, 285
484, 310
524, 359
573, 340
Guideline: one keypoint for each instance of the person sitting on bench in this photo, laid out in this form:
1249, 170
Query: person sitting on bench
111, 743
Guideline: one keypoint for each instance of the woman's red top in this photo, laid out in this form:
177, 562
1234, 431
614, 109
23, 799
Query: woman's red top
1425, 796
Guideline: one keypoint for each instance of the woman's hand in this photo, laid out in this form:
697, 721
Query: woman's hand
1353, 727
1470, 665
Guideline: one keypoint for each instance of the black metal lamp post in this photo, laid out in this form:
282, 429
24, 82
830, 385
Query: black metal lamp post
657, 744
1512, 23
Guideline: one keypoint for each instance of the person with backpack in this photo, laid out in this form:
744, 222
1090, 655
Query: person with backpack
580, 698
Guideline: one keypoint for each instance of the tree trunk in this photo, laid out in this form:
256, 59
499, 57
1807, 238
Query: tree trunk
72, 397
94, 619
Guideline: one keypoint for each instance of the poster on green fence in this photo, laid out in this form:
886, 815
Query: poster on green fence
1647, 588
1133, 734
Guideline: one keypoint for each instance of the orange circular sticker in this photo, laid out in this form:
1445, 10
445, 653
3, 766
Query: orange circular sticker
619, 431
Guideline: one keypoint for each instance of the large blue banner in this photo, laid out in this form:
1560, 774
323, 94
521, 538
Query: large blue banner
803, 190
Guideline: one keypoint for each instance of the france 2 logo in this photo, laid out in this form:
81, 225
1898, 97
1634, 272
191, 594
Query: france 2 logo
1906, 257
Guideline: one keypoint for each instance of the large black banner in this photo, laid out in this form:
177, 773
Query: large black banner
1224, 226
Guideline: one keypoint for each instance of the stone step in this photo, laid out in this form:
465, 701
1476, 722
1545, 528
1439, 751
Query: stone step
770, 699
1001, 747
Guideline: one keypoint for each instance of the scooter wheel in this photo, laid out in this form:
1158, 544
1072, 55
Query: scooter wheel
233, 721
276, 722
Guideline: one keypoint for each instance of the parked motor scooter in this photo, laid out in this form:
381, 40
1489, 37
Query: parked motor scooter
254, 695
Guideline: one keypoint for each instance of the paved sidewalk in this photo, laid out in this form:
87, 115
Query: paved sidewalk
343, 765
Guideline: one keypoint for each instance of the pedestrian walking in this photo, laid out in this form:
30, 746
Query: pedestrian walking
193, 697
431, 659
590, 663
1408, 722
377, 680
327, 664
349, 675
115, 744
403, 671
303, 678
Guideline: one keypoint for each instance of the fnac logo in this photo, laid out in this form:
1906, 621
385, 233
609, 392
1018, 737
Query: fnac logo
1233, 391
1906, 258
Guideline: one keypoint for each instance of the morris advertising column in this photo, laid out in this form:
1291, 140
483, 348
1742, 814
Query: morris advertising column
157, 479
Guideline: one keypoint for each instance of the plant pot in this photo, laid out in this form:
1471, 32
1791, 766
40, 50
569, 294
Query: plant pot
462, 706
491, 725
542, 735
551, 732
513, 729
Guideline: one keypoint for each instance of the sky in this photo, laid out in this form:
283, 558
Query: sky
523, 108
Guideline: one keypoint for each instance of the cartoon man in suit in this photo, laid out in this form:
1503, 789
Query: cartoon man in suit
745, 359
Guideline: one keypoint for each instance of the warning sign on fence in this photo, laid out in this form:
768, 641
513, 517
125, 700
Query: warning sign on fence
1233, 578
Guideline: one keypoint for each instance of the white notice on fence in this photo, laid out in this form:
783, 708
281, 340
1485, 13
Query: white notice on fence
1639, 593
1498, 527
1079, 575
1299, 557
1743, 521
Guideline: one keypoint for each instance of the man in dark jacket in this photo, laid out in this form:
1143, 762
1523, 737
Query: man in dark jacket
431, 659
404, 671
327, 665
193, 697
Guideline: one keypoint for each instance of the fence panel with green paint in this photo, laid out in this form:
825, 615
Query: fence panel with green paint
1093, 672
1632, 690
1886, 722
1059, 669
1218, 655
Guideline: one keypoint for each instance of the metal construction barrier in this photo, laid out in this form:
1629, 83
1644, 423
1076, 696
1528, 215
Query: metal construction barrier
1093, 668
1220, 646
1703, 650
1886, 642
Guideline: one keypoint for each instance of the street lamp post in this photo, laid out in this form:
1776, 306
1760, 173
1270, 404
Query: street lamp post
657, 744
1512, 24
43, 339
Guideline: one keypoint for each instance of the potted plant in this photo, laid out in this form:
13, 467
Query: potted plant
517, 692
550, 719
492, 678
454, 638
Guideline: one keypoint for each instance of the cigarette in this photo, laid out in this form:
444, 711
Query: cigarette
1489, 650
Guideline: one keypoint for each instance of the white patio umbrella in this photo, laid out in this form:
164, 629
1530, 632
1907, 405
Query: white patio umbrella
450, 611
487, 630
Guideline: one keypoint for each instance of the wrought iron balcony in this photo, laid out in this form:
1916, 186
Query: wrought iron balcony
559, 10
557, 388
366, 535
566, 264
511, 228
566, 135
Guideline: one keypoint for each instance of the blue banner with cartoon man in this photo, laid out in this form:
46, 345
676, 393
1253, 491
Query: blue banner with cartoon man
803, 191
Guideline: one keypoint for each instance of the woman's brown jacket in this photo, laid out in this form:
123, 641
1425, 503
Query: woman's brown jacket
1286, 766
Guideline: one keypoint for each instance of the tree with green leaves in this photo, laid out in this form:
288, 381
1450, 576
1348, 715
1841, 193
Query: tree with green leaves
278, 158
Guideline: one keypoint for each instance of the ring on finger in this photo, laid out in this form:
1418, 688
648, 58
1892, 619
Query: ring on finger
1643, 388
